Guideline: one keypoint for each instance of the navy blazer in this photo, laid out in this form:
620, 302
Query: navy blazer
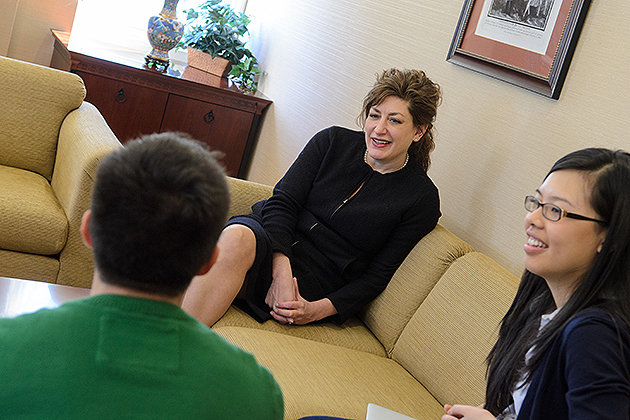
585, 373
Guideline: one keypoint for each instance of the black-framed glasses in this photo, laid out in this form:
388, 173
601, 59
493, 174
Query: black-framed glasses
553, 212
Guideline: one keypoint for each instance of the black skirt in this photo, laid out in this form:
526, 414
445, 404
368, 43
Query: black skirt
316, 275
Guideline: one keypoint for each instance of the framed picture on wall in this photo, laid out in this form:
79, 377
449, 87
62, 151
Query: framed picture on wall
528, 43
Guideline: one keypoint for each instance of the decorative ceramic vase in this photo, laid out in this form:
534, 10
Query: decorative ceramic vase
164, 33
204, 61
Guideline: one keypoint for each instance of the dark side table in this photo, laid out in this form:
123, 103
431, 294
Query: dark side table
137, 100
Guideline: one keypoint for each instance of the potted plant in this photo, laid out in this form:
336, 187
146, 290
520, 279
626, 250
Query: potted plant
216, 29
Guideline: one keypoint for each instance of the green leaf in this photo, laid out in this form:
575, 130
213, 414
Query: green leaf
216, 29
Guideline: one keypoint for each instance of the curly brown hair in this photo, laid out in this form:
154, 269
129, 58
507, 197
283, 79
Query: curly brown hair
423, 96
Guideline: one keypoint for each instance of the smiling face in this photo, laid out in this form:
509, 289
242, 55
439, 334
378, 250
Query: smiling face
389, 131
562, 252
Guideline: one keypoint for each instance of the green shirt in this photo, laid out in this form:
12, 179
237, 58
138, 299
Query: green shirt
115, 357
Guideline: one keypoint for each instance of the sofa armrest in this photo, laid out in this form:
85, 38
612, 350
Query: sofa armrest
35, 100
246, 193
84, 139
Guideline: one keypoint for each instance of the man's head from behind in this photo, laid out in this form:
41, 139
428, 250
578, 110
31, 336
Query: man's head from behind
158, 207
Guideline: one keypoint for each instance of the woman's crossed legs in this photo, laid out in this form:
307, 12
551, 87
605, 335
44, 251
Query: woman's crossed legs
209, 296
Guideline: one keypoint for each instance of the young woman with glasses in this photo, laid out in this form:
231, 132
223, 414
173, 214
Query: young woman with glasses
563, 350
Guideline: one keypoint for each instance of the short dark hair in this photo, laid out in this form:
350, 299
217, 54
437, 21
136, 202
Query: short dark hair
423, 96
158, 207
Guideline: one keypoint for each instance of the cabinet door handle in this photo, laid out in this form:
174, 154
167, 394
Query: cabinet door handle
209, 117
120, 96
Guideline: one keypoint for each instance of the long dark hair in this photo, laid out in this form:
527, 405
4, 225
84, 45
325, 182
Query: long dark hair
606, 285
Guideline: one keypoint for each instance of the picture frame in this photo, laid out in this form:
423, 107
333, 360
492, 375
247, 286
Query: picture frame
528, 43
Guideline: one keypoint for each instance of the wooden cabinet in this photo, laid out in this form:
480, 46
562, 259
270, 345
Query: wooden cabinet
205, 120
129, 109
135, 100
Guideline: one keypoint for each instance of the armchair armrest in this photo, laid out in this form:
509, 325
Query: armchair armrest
84, 139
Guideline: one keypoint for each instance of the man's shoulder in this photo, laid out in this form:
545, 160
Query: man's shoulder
218, 348
238, 370
207, 344
42, 318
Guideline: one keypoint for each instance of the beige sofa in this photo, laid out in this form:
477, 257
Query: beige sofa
50, 144
422, 343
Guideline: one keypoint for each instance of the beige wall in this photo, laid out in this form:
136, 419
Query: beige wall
495, 141
31, 39
8, 9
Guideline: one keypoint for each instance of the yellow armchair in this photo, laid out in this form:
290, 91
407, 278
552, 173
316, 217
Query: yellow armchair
50, 144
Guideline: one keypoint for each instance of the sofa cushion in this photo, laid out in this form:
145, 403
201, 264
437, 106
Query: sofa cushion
447, 340
388, 314
353, 334
31, 218
28, 266
35, 100
323, 379
244, 194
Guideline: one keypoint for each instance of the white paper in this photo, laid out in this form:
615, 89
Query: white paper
526, 24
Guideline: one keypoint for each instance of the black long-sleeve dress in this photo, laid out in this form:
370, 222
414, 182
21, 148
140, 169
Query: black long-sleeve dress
344, 226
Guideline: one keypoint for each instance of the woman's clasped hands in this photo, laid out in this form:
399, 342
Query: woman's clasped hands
297, 311
286, 303
466, 412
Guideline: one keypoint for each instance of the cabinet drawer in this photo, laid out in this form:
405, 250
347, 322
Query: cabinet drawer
222, 128
130, 110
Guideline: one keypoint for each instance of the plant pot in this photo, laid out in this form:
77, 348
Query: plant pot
204, 61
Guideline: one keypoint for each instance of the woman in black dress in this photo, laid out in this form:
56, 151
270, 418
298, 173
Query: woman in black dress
340, 221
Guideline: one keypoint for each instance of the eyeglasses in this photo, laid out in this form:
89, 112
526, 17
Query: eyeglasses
553, 212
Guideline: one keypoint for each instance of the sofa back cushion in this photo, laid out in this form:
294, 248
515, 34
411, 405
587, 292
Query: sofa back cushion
447, 340
389, 313
243, 194
35, 100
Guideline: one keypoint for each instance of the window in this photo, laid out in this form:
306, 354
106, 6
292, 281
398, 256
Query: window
123, 23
